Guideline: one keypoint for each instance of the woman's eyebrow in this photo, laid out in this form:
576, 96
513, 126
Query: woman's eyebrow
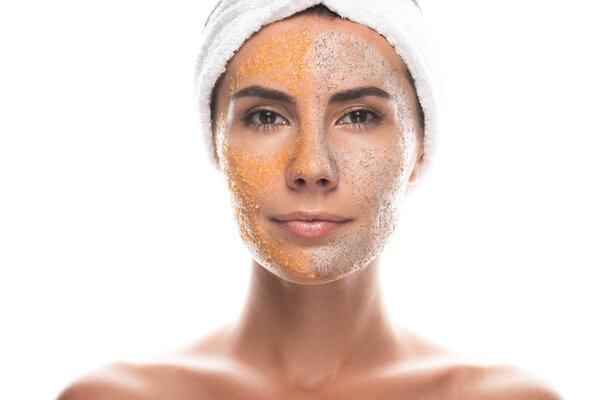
261, 91
346, 95
357, 93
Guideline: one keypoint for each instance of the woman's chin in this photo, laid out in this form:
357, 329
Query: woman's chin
309, 276
315, 263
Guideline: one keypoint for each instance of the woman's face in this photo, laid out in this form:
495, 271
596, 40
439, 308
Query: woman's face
316, 115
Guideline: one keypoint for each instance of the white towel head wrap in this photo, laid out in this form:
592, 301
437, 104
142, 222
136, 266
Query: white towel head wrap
232, 22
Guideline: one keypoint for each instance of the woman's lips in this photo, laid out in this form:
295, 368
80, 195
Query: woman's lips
310, 229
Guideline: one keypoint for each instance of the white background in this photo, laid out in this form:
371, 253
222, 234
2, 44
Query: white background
116, 236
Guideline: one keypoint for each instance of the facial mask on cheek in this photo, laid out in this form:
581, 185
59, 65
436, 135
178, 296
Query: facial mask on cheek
248, 179
378, 176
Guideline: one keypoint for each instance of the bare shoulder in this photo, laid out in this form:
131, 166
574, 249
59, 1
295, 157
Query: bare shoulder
176, 376
457, 377
116, 381
197, 371
497, 382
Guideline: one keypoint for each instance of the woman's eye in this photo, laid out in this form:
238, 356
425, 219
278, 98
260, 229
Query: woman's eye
265, 118
359, 117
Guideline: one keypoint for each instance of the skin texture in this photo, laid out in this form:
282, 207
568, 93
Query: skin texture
314, 325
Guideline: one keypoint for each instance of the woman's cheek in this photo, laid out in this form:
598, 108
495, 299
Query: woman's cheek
249, 176
249, 179
373, 175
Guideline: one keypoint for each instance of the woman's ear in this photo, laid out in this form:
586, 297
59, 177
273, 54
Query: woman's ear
414, 176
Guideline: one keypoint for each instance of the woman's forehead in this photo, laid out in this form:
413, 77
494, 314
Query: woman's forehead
293, 51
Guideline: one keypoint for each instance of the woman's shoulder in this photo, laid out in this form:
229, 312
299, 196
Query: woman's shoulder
178, 376
115, 381
182, 374
456, 376
497, 382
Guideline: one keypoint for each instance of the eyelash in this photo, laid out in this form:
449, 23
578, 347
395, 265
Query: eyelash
247, 119
374, 121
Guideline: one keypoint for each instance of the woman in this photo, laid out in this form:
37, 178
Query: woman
319, 130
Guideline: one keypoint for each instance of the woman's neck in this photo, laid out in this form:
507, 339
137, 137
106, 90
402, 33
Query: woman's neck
311, 335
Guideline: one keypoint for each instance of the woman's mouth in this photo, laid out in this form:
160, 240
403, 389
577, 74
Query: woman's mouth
310, 229
307, 224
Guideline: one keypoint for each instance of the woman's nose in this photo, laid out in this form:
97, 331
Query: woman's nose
311, 167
